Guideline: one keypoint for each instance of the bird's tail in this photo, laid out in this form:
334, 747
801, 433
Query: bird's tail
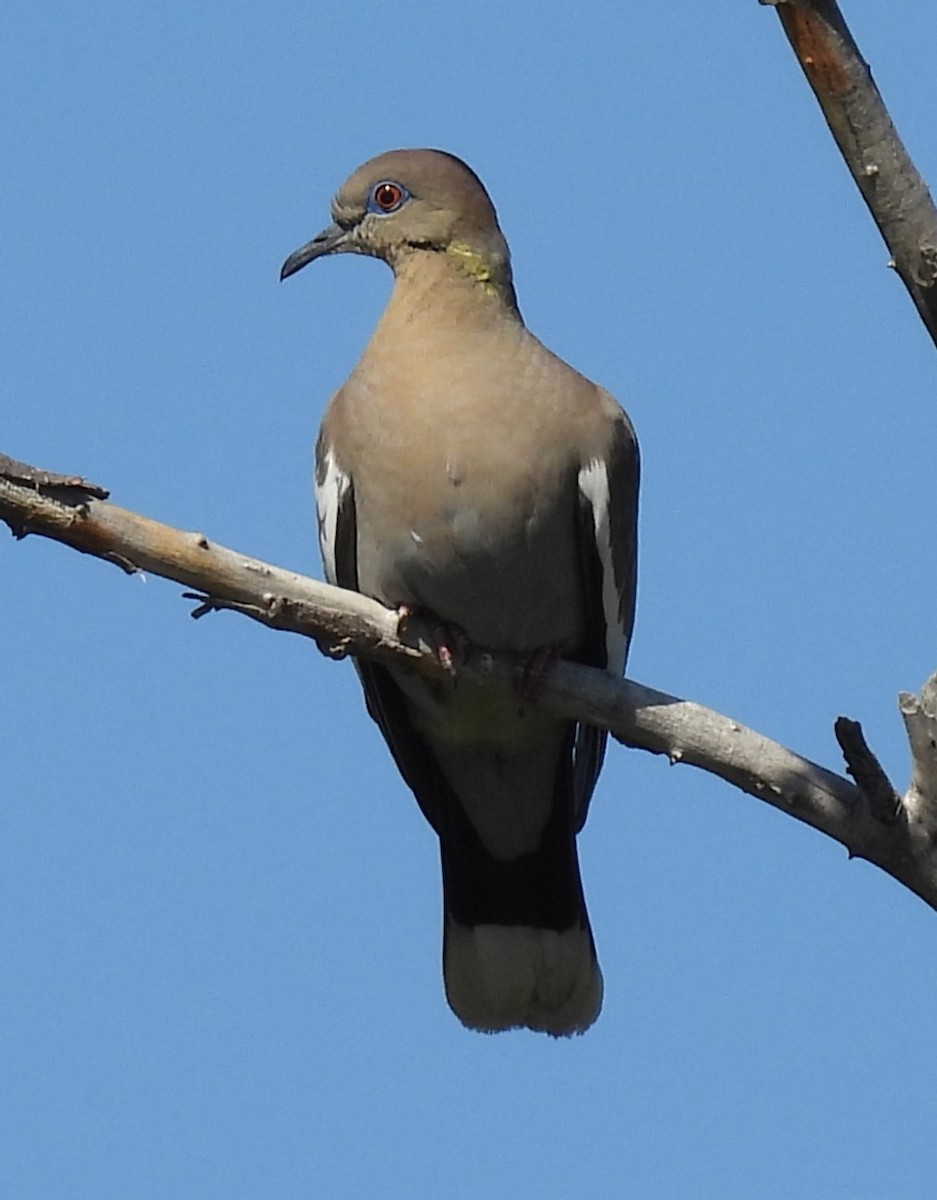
517, 946
512, 976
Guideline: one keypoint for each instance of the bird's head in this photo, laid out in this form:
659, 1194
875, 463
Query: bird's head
406, 202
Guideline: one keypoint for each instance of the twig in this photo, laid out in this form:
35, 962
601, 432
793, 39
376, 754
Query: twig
895, 193
883, 801
920, 719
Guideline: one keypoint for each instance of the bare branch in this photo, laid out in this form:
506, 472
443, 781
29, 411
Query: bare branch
64, 508
884, 802
895, 193
920, 719
65, 487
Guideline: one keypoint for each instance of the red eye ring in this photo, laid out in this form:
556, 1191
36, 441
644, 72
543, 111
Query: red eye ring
387, 196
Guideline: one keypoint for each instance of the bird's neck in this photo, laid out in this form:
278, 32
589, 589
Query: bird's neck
461, 274
490, 270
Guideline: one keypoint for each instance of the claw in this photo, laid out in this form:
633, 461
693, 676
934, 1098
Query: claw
448, 642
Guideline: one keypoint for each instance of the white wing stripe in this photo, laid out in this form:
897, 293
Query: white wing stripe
593, 485
329, 495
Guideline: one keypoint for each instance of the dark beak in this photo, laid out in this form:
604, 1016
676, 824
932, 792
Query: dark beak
329, 241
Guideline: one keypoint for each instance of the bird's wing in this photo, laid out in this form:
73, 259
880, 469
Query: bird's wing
338, 541
608, 532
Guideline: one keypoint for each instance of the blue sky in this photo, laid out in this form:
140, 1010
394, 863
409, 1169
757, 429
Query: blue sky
219, 906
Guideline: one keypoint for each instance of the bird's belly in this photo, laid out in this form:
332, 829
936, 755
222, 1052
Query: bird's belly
507, 575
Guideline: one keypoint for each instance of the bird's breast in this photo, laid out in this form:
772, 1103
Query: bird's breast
465, 487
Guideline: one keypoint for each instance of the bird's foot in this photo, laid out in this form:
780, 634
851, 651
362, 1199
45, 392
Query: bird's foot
535, 670
448, 642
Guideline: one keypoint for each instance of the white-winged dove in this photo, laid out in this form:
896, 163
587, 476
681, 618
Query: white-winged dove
465, 471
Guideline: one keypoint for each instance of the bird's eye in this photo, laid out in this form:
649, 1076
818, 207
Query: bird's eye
387, 197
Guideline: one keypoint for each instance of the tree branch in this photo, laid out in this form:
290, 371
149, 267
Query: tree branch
901, 840
884, 802
895, 193
920, 719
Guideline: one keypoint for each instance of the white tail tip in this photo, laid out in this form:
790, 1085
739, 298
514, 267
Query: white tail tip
515, 976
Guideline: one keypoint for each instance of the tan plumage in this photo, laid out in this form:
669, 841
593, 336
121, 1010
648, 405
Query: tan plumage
466, 470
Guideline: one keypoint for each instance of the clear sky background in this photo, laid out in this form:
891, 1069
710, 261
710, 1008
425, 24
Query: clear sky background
219, 906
